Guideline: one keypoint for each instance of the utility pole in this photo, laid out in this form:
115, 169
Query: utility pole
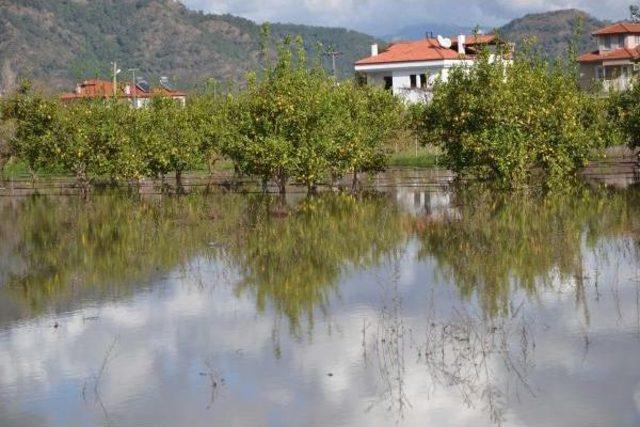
333, 54
134, 87
116, 71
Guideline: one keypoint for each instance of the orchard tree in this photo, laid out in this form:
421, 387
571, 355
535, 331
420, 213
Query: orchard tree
283, 122
208, 113
627, 114
94, 139
369, 118
513, 121
32, 117
169, 140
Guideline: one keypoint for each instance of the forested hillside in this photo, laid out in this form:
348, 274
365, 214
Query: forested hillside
553, 31
58, 42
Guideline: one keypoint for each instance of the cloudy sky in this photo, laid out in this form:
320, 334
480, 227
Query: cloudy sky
384, 16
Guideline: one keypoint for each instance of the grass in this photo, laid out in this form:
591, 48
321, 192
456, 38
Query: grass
19, 169
424, 157
15, 170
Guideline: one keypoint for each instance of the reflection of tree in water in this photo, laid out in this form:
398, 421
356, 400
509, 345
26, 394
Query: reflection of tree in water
497, 240
493, 245
294, 263
468, 353
56, 249
461, 351
389, 342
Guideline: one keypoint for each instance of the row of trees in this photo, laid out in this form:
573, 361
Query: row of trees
513, 121
292, 123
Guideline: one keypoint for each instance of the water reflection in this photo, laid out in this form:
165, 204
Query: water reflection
494, 241
449, 307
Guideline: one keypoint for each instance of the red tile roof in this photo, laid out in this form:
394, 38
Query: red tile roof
420, 50
611, 55
425, 50
619, 28
104, 89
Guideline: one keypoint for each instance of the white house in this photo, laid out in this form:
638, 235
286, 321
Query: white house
409, 68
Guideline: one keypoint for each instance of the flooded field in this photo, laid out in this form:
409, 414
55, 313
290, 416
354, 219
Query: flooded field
422, 303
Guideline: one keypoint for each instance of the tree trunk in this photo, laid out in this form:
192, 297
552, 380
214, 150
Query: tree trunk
83, 183
211, 164
354, 182
312, 188
179, 186
282, 184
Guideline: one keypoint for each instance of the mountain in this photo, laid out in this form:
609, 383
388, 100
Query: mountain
59, 42
553, 31
419, 31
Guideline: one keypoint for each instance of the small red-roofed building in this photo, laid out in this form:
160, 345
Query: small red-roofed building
409, 68
138, 95
617, 60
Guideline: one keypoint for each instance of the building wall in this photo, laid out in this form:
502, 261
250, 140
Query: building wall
617, 77
401, 81
630, 41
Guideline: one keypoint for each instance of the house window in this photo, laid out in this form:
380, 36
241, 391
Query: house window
414, 81
621, 41
599, 73
607, 42
388, 82
424, 81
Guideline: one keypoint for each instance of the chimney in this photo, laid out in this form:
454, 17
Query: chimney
461, 41
374, 49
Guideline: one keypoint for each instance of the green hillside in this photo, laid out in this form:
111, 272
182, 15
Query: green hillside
553, 31
59, 42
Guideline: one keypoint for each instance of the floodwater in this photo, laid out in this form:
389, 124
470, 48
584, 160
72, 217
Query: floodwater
422, 304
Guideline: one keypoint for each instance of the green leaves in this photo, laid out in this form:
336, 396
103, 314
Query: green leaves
293, 124
513, 121
299, 124
624, 111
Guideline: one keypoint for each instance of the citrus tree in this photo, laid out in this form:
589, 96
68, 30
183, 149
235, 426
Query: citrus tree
512, 120
32, 116
94, 139
168, 139
284, 121
368, 118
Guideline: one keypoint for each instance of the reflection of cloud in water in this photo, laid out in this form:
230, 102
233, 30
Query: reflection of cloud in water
581, 352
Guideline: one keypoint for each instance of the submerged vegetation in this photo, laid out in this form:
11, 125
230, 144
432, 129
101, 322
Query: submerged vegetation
517, 122
292, 123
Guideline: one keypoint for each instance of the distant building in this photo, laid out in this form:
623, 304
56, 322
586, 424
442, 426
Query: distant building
410, 68
617, 59
139, 95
